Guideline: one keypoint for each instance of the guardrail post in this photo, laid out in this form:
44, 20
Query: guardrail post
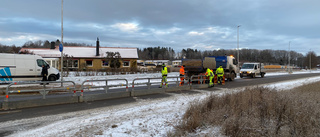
106, 88
74, 92
7, 93
44, 94
149, 84
133, 85
177, 82
127, 85
44, 91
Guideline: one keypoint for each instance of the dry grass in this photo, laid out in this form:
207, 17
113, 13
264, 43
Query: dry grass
257, 112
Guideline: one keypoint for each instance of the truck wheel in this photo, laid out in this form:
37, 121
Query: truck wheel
232, 76
241, 75
262, 75
52, 78
253, 75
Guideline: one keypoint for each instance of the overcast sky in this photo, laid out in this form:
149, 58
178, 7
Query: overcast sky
197, 24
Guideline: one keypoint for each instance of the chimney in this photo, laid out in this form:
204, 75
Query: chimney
97, 47
53, 45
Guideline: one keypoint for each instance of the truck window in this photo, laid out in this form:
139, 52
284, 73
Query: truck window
41, 62
235, 62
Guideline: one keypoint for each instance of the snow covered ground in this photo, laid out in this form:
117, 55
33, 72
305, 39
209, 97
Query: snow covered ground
142, 118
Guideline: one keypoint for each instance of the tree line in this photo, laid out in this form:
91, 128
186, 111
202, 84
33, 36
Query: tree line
267, 56
36, 44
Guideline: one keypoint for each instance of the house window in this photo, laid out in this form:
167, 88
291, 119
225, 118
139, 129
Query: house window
89, 63
75, 64
71, 63
105, 63
126, 63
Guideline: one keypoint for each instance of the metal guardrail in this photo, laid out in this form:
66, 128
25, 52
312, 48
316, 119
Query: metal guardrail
149, 83
106, 86
44, 91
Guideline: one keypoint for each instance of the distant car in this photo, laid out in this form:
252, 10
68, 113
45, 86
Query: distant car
22, 67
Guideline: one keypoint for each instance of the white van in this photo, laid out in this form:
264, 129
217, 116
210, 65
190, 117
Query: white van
23, 67
252, 69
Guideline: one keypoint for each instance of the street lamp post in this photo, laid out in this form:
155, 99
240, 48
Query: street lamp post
238, 46
61, 42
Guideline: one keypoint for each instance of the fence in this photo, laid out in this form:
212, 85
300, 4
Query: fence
44, 91
106, 86
149, 82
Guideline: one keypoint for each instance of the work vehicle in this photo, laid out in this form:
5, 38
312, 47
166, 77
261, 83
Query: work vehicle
198, 66
251, 69
23, 67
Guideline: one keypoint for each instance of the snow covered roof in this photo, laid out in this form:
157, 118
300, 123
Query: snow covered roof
83, 52
177, 61
157, 61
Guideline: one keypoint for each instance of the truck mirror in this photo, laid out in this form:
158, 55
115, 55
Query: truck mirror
255, 67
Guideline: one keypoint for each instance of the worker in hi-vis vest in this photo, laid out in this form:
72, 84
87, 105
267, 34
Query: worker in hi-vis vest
220, 73
210, 74
182, 75
164, 72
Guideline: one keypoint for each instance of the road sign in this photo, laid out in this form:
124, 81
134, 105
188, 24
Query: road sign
60, 47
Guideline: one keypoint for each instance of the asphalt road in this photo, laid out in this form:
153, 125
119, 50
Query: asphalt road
65, 108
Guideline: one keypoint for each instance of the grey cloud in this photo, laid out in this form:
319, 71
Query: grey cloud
265, 24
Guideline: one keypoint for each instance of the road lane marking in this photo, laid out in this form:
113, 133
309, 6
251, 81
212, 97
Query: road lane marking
8, 112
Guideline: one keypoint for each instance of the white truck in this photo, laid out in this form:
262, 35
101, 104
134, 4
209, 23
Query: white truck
22, 67
252, 69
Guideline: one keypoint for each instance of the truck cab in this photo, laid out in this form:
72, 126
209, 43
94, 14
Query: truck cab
251, 69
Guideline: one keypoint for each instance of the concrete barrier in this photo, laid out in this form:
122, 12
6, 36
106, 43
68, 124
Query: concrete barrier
147, 92
103, 96
39, 102
92, 97
201, 86
171, 89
